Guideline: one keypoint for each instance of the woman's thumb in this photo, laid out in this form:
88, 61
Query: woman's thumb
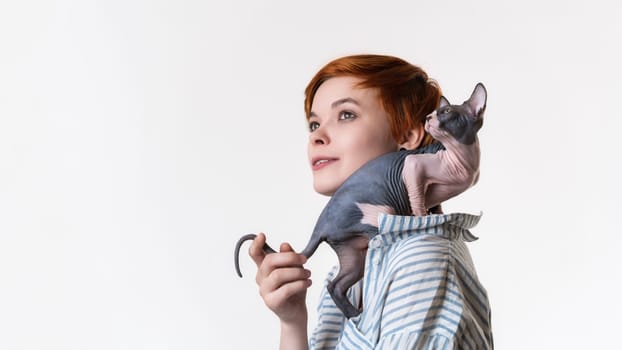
285, 247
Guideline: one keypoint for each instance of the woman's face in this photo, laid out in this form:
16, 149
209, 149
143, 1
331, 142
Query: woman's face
348, 127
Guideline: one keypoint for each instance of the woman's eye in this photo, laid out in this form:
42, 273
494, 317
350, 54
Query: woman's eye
313, 126
346, 115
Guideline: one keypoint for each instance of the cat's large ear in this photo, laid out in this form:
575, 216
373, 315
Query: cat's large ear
444, 102
477, 101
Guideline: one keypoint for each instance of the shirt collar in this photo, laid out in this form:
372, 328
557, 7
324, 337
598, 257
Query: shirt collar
392, 228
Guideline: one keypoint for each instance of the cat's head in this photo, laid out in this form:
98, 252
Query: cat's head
460, 122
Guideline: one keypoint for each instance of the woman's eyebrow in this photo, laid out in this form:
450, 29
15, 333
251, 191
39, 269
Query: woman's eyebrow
337, 103
344, 100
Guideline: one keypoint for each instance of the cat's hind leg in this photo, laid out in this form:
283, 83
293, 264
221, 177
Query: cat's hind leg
351, 254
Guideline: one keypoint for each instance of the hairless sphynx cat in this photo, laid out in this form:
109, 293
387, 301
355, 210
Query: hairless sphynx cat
398, 183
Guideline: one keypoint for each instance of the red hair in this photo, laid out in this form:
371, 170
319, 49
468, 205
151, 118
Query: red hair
405, 91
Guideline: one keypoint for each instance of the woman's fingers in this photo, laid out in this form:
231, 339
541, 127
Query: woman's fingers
281, 277
275, 261
285, 247
256, 249
280, 287
277, 298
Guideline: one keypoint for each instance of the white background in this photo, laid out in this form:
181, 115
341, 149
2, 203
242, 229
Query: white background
140, 139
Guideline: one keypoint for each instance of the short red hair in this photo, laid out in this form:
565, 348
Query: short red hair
406, 93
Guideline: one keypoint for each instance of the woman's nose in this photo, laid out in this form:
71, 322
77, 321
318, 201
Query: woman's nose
319, 137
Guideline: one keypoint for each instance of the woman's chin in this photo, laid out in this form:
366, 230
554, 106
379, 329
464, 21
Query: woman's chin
325, 189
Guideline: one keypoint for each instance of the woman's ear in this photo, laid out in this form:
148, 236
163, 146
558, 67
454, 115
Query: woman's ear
412, 138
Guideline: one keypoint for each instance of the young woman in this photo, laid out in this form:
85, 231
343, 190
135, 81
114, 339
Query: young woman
420, 289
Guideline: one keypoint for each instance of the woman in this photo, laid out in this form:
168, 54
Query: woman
419, 290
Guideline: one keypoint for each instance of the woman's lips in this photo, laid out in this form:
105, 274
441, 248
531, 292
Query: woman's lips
320, 162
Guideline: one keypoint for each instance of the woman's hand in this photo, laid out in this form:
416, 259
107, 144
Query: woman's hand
282, 281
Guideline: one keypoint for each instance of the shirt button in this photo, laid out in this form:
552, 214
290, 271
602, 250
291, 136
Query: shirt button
375, 244
376, 260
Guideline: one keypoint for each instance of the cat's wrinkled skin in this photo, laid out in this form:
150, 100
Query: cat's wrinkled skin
398, 183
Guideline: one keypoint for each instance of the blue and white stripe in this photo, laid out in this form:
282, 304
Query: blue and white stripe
420, 290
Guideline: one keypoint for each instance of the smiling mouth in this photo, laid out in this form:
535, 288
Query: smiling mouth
320, 163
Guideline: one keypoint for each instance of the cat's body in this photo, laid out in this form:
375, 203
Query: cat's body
398, 183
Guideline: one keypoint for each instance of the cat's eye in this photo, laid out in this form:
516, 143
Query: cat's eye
313, 126
447, 110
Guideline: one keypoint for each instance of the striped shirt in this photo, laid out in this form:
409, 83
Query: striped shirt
419, 291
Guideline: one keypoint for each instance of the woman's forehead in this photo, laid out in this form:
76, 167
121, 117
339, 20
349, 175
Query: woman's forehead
342, 89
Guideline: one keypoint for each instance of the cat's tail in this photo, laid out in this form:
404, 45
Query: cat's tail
312, 245
236, 255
